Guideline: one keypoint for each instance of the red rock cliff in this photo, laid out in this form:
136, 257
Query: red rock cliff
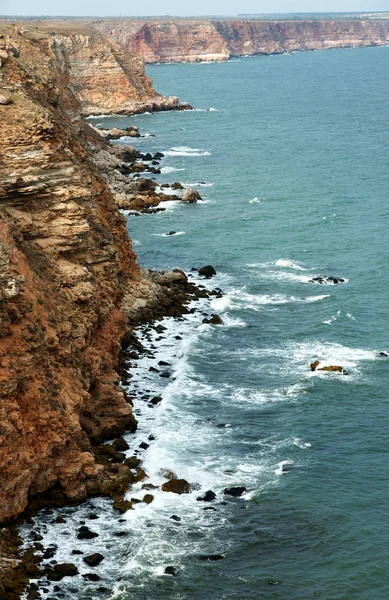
65, 264
178, 41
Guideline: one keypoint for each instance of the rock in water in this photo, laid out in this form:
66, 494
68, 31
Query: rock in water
326, 280
330, 368
177, 486
84, 533
171, 571
210, 557
190, 195
207, 271
236, 492
214, 320
208, 497
93, 559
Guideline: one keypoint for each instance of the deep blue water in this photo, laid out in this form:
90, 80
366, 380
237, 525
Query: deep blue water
297, 155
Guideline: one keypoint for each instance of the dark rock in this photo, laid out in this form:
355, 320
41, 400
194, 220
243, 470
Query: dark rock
326, 280
210, 557
91, 577
209, 508
60, 519
132, 462
148, 498
84, 533
214, 320
160, 328
93, 559
77, 552
208, 496
153, 370
177, 486
122, 505
62, 570
121, 445
177, 186
177, 337
156, 400
158, 155
151, 438
165, 374
172, 233
207, 271
163, 363
236, 492
171, 571
144, 446
384, 353
93, 516
175, 518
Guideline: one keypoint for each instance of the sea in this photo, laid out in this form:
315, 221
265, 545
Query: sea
290, 156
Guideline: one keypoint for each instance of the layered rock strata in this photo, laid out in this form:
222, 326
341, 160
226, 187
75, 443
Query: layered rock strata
204, 40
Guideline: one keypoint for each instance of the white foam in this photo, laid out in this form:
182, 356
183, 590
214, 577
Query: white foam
280, 470
187, 151
290, 264
166, 170
301, 444
213, 109
255, 201
198, 184
240, 299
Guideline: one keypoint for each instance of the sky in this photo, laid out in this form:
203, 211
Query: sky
188, 8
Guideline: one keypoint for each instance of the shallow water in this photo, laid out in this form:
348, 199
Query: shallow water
293, 169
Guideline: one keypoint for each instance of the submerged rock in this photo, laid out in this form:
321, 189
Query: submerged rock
171, 571
175, 518
210, 557
326, 280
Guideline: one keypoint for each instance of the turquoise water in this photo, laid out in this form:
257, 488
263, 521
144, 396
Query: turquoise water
307, 136
296, 152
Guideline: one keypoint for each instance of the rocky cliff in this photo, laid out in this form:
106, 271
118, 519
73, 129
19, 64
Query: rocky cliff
204, 40
66, 265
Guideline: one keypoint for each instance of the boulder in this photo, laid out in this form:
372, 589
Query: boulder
185, 106
132, 462
384, 353
93, 559
62, 570
84, 533
175, 518
172, 233
236, 492
207, 271
171, 571
210, 557
177, 186
122, 505
148, 498
4, 101
177, 486
331, 368
190, 195
91, 577
208, 497
214, 320
121, 445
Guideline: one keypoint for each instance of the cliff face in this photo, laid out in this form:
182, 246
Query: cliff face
65, 264
179, 41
